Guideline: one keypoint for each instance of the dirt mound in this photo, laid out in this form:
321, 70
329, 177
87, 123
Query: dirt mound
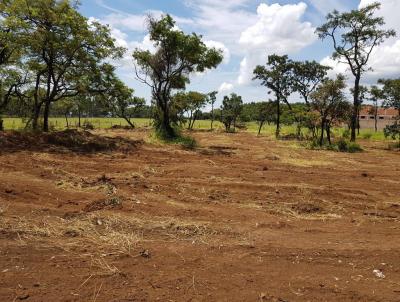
71, 139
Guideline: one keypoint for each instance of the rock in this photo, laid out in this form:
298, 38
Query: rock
23, 297
379, 273
145, 254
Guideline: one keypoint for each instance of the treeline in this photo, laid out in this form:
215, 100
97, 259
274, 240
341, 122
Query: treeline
54, 61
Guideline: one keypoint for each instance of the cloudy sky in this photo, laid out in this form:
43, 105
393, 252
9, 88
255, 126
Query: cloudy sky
247, 31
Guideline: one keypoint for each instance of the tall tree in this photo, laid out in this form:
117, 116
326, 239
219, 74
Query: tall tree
330, 102
307, 76
190, 104
276, 76
230, 111
63, 50
391, 96
391, 93
355, 34
375, 94
212, 98
265, 113
176, 57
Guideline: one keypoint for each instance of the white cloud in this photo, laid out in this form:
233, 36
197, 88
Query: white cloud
278, 29
225, 87
221, 20
220, 46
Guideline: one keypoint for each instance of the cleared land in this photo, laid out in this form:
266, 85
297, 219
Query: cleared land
114, 216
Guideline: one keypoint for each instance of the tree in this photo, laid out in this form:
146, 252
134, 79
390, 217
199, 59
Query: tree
212, 98
189, 104
231, 108
307, 76
176, 57
374, 95
276, 76
391, 95
355, 34
330, 102
362, 96
66, 106
63, 49
265, 113
12, 77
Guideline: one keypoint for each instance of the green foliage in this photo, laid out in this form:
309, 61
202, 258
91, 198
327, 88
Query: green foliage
330, 102
276, 76
230, 111
306, 76
347, 146
342, 145
390, 93
393, 130
186, 106
186, 142
355, 34
177, 56
62, 50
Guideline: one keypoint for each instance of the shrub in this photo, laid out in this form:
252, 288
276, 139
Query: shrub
342, 145
346, 133
87, 125
346, 146
367, 135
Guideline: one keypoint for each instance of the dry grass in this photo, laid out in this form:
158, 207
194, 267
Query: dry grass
105, 233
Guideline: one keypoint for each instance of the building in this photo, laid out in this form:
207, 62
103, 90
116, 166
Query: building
385, 116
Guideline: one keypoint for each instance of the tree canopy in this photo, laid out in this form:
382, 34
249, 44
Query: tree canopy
177, 56
355, 34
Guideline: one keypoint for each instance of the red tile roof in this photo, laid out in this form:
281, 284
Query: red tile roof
369, 110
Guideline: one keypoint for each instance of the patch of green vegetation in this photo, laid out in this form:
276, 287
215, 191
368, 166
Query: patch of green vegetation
341, 145
185, 141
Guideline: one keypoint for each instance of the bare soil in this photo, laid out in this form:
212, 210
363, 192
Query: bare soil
240, 218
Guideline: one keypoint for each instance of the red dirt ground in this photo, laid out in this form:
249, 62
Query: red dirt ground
240, 218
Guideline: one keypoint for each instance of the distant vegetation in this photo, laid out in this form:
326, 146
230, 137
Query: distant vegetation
56, 73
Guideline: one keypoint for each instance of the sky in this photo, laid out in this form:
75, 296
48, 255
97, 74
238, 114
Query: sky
247, 31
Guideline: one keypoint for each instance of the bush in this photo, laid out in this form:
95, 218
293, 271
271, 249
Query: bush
186, 142
367, 135
346, 146
87, 125
342, 145
346, 133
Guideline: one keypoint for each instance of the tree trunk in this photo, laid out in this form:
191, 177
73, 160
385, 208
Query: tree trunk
1, 124
278, 117
128, 120
376, 116
321, 139
212, 115
66, 119
37, 106
328, 132
79, 117
46, 113
356, 105
260, 127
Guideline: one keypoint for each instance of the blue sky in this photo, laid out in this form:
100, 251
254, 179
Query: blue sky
247, 31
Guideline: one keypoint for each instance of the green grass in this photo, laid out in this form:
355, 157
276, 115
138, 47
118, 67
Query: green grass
59, 123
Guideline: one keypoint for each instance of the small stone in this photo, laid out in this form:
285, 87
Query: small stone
23, 297
145, 254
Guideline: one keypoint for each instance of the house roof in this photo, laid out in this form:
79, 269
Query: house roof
369, 110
